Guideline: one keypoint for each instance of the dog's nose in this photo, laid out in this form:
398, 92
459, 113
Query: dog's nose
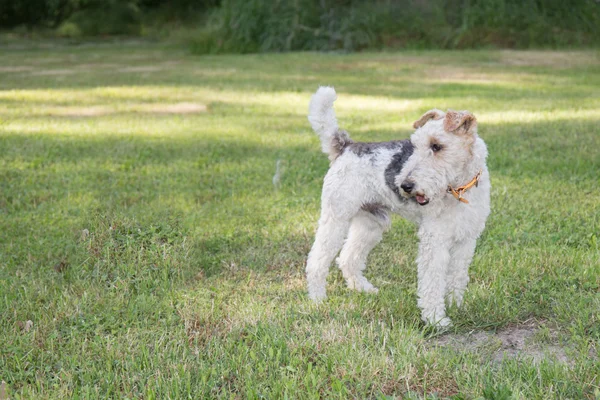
407, 186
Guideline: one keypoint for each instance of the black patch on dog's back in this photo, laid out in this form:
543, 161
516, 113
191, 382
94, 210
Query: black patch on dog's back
396, 165
368, 148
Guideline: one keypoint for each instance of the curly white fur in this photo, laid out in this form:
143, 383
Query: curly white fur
368, 180
322, 117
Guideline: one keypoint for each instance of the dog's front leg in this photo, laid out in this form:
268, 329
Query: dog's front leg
432, 262
458, 270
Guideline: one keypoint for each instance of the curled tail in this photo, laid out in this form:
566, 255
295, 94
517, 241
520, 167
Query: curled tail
322, 119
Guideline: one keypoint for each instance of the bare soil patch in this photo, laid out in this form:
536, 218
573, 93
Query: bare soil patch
15, 69
554, 59
92, 111
513, 342
98, 111
50, 72
141, 68
178, 108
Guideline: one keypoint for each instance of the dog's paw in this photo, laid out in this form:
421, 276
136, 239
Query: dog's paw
317, 296
443, 323
372, 289
361, 284
439, 323
369, 288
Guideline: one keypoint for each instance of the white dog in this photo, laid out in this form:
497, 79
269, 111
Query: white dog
437, 179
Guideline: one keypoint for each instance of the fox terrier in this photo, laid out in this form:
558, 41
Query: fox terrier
437, 179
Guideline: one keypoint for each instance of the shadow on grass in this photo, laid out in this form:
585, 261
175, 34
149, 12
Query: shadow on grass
235, 220
224, 185
418, 75
561, 149
278, 82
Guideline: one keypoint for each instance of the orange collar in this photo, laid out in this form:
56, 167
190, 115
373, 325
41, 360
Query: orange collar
459, 191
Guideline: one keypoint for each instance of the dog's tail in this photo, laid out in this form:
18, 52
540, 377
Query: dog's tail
322, 119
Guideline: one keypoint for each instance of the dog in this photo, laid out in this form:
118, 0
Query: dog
438, 179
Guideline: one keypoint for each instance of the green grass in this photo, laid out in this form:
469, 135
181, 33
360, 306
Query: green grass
156, 259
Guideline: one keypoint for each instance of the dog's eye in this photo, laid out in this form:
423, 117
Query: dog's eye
436, 147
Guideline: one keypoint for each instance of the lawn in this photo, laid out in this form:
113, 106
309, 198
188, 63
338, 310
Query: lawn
147, 251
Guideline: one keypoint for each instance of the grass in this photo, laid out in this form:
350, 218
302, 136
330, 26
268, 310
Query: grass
143, 237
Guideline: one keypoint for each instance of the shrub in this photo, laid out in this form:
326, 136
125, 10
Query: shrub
258, 25
68, 30
107, 17
284, 25
32, 13
95, 16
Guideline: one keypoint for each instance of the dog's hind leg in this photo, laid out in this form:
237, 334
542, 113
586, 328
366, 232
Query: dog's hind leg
328, 242
461, 255
366, 231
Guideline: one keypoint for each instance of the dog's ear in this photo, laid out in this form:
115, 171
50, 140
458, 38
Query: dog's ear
434, 114
460, 122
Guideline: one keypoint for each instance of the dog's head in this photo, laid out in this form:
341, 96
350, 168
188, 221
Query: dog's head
443, 147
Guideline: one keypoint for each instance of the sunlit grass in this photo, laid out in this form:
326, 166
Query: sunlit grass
144, 238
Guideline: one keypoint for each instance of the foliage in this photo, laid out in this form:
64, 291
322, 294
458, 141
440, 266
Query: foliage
69, 30
177, 9
33, 12
93, 17
102, 17
247, 26
255, 25
527, 23
258, 25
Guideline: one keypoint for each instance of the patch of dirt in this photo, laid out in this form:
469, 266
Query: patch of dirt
215, 72
15, 69
394, 61
178, 108
98, 111
54, 72
44, 60
98, 65
93, 111
512, 342
171, 63
562, 59
450, 74
142, 68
